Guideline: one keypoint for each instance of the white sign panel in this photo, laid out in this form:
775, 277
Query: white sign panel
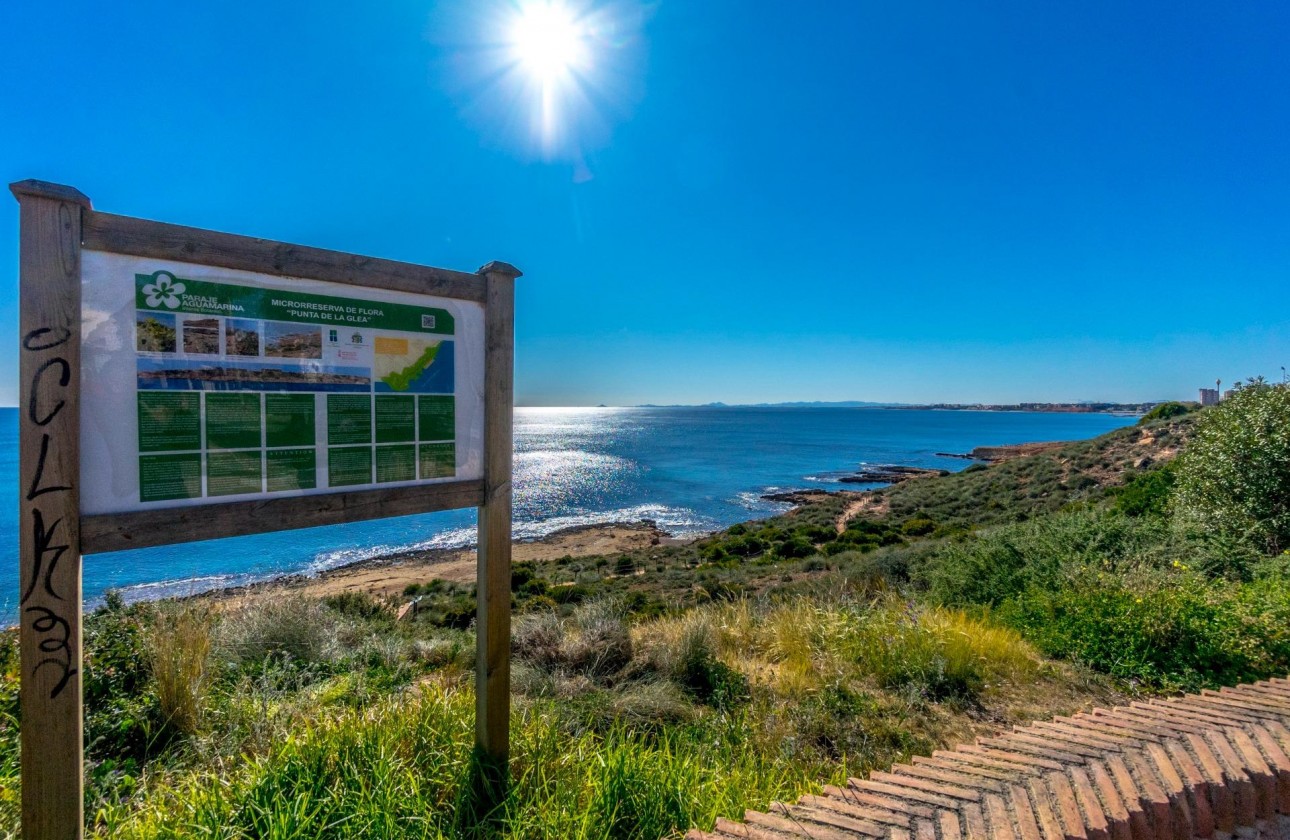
203, 385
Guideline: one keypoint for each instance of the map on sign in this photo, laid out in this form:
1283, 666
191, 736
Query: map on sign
411, 364
243, 389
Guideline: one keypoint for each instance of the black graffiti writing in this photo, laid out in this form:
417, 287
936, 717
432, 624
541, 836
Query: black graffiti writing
57, 646
29, 341
34, 400
42, 540
50, 541
36, 489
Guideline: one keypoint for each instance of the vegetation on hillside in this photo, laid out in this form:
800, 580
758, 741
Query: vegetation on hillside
658, 689
1166, 411
1236, 474
313, 719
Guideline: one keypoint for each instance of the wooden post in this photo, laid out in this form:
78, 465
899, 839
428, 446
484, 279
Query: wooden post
49, 509
493, 619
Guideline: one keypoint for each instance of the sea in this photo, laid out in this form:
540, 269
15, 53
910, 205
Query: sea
689, 470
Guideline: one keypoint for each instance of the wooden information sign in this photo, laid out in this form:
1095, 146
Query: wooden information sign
180, 384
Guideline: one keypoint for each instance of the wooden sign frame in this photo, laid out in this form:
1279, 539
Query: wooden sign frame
56, 223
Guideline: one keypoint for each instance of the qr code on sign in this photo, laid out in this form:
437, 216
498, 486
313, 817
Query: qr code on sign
427, 322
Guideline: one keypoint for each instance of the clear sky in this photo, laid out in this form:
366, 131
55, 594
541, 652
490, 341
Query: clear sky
738, 201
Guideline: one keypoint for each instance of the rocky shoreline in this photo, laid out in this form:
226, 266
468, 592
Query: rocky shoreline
994, 454
388, 575
889, 474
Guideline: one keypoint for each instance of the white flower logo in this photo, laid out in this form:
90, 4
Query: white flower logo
164, 290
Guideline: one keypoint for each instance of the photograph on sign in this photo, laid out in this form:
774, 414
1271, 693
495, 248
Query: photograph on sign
205, 385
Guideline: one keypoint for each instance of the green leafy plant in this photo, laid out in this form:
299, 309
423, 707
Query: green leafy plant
1165, 411
1234, 475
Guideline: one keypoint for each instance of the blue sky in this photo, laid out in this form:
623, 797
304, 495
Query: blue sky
754, 201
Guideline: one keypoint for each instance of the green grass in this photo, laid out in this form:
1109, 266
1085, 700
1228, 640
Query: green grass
401, 769
624, 727
1176, 630
623, 730
1145, 598
939, 653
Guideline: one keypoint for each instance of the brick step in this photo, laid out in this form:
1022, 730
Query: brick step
1200, 767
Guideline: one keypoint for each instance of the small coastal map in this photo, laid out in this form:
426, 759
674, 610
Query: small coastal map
413, 365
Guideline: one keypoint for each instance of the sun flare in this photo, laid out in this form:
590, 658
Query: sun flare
554, 75
548, 41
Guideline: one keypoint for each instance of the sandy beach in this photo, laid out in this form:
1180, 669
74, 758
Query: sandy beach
387, 577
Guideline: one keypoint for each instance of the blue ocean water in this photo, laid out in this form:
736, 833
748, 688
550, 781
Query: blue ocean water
691, 470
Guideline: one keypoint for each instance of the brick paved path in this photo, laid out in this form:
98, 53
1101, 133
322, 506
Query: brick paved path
1206, 765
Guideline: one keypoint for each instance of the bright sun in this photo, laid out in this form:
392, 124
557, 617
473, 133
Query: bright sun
563, 69
548, 40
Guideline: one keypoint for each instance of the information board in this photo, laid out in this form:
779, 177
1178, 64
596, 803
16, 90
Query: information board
179, 384
203, 385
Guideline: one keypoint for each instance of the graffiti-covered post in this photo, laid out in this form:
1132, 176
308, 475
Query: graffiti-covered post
49, 604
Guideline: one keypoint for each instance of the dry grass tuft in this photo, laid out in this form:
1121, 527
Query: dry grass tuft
179, 647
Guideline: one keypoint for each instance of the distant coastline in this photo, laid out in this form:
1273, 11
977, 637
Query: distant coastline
1128, 409
692, 471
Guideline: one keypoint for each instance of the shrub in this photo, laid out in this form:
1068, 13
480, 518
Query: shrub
538, 638
602, 643
845, 546
359, 605
865, 526
595, 641
746, 546
1169, 630
938, 653
571, 594
651, 703
525, 580
456, 612
1006, 561
794, 549
888, 568
1165, 411
918, 526
123, 719
1234, 475
1148, 493
713, 552
538, 603
178, 646
291, 628
701, 673
815, 533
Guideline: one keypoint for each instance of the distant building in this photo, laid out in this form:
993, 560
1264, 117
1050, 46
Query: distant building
1209, 396
1229, 393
